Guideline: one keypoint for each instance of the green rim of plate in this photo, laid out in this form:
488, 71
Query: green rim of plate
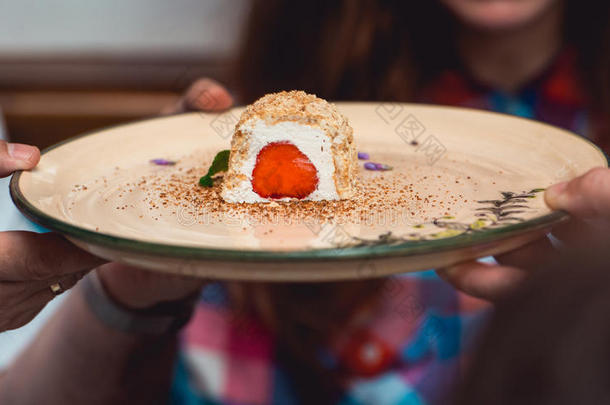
408, 248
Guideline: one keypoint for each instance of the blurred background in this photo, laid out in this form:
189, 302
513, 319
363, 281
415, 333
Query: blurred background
68, 66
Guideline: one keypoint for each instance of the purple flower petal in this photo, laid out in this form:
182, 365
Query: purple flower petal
377, 166
162, 162
363, 156
370, 166
382, 166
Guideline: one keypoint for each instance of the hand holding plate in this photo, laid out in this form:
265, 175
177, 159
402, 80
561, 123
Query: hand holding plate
203, 95
586, 198
34, 268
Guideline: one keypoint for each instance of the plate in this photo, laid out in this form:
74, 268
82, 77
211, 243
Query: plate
464, 184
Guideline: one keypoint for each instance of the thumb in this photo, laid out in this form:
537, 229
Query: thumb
17, 156
203, 95
585, 197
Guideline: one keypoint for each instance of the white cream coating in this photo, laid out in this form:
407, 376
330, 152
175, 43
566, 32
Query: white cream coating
312, 141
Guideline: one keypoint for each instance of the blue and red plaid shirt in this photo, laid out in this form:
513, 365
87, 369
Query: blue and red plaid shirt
411, 352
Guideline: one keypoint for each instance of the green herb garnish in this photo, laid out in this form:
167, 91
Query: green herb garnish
220, 164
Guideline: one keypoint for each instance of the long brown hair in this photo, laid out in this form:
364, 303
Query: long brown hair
343, 50
366, 50
388, 50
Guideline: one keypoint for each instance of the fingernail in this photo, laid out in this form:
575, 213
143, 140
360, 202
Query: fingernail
21, 152
205, 101
555, 194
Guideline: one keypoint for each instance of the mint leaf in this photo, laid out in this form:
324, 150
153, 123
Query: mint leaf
206, 181
219, 164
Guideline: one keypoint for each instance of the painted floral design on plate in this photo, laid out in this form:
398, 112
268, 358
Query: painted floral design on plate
490, 214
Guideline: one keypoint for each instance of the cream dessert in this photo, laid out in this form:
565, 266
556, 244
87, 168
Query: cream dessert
291, 146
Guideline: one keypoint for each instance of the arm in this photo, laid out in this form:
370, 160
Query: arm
78, 359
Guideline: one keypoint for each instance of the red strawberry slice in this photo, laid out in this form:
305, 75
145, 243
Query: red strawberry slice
282, 170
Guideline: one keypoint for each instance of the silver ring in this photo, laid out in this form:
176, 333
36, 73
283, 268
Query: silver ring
56, 288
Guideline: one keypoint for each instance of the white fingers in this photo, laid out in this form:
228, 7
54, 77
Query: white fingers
585, 197
27, 256
16, 156
20, 301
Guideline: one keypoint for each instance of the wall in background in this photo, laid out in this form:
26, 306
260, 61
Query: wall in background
210, 28
70, 66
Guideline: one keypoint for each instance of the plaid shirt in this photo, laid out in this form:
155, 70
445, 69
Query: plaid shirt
411, 352
415, 348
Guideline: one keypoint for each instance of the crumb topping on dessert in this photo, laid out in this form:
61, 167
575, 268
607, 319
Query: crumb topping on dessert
296, 106
303, 109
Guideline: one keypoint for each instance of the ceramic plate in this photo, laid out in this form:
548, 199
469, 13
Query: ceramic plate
464, 184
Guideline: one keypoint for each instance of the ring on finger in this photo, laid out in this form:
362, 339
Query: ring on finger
56, 288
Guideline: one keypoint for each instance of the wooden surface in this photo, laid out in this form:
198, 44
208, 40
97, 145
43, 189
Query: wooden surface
43, 118
108, 72
46, 100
